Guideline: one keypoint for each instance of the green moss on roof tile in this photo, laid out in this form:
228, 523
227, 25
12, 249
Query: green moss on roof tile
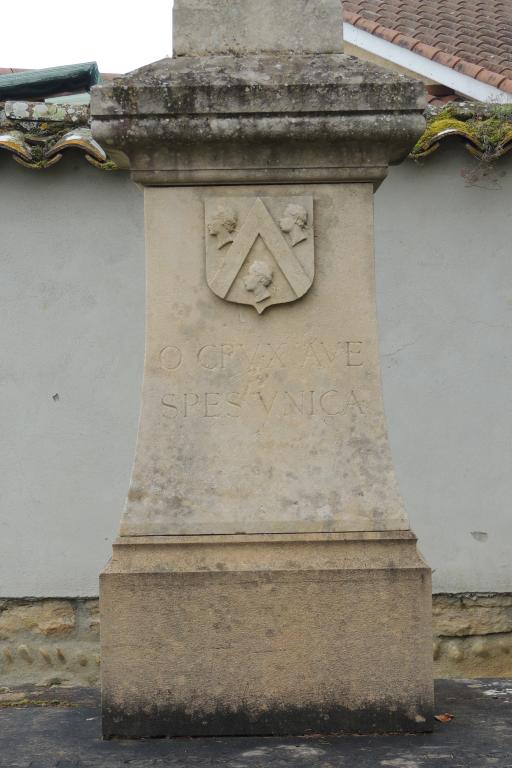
486, 130
37, 134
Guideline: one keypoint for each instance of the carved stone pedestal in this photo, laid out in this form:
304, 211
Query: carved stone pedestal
277, 634
260, 416
265, 579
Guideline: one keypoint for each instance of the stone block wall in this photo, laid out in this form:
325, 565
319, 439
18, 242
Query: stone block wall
56, 641
472, 635
49, 642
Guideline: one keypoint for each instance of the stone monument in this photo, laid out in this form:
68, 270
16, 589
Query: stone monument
265, 579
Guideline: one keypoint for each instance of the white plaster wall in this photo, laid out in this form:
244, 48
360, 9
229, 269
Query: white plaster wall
444, 271
72, 295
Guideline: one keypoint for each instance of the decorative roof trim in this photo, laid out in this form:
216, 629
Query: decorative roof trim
472, 81
36, 134
38, 155
485, 130
32, 83
44, 112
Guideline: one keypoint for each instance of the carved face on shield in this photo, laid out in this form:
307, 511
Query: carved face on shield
258, 279
294, 222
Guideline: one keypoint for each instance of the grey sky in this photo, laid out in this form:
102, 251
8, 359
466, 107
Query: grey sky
119, 35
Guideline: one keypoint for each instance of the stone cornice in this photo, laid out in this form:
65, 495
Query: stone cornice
38, 136
258, 119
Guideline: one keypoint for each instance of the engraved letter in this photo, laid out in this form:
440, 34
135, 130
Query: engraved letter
353, 348
310, 352
276, 353
188, 402
230, 399
171, 410
226, 350
170, 358
324, 406
299, 407
250, 357
210, 403
272, 401
330, 357
207, 359
353, 402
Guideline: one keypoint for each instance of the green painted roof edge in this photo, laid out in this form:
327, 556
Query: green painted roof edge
45, 82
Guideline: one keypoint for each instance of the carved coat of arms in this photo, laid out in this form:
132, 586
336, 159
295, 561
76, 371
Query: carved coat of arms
259, 251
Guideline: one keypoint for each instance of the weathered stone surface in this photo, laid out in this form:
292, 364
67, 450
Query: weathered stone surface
240, 648
74, 661
30, 111
205, 27
486, 654
91, 617
48, 618
256, 84
327, 117
261, 423
463, 615
479, 656
49, 642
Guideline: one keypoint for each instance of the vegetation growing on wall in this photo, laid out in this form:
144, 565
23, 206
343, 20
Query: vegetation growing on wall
486, 130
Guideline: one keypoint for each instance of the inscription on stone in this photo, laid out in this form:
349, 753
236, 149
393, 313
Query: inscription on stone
244, 361
268, 420
311, 354
259, 251
272, 403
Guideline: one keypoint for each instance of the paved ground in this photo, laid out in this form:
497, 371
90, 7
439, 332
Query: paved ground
61, 729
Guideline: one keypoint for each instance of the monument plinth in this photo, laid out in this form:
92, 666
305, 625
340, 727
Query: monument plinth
265, 579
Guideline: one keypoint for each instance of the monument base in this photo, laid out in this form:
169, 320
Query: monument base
266, 635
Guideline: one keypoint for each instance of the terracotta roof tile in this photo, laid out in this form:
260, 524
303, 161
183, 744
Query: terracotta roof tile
444, 40
471, 70
367, 25
474, 38
387, 34
490, 78
351, 18
425, 50
403, 40
446, 58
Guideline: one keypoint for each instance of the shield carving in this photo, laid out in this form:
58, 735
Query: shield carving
259, 251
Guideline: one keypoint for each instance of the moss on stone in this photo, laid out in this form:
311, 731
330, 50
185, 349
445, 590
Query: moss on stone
25, 703
488, 129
